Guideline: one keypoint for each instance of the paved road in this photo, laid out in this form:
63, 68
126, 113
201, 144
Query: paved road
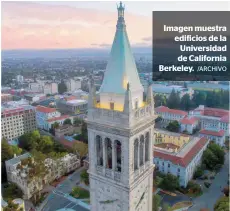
57, 199
213, 193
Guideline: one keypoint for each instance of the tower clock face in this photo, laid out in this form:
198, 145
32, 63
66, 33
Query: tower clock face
141, 196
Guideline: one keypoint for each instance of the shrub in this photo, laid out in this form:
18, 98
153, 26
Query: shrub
198, 172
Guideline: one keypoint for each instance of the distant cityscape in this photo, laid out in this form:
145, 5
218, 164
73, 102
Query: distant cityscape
88, 130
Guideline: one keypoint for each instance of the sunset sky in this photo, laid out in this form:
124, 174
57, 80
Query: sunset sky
54, 25
59, 24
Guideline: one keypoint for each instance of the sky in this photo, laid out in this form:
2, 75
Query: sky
66, 25
55, 25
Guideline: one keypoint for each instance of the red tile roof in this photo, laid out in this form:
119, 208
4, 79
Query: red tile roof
58, 118
67, 143
215, 112
219, 133
45, 109
165, 109
189, 121
182, 161
225, 119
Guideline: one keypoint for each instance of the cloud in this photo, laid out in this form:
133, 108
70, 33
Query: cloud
40, 26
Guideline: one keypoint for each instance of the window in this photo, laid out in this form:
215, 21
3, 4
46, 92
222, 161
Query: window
169, 165
112, 106
136, 145
99, 150
136, 104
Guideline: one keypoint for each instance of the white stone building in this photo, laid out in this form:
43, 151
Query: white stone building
19, 174
212, 118
19, 78
189, 124
168, 115
72, 85
182, 163
16, 120
50, 88
120, 131
218, 136
46, 116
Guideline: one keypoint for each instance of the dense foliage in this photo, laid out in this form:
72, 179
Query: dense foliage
173, 126
8, 152
84, 133
213, 157
62, 87
170, 182
216, 99
85, 177
222, 204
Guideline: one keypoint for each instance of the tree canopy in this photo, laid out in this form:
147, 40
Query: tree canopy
170, 182
222, 204
217, 99
62, 87
213, 157
8, 152
173, 100
80, 148
173, 126
67, 122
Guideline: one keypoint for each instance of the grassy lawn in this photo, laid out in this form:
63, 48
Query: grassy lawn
80, 193
180, 205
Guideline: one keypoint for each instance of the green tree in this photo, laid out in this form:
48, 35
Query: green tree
29, 141
7, 153
218, 151
199, 98
80, 148
46, 144
173, 126
62, 87
198, 172
222, 204
67, 122
55, 125
173, 100
213, 157
11, 191
170, 182
209, 159
77, 121
186, 103
84, 177
160, 100
156, 202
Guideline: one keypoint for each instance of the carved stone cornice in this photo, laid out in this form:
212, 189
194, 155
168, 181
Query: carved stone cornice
119, 131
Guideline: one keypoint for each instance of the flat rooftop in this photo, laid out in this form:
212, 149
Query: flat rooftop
76, 102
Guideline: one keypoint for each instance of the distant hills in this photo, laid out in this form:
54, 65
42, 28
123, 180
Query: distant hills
68, 53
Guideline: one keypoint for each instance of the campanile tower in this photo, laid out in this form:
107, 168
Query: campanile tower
120, 132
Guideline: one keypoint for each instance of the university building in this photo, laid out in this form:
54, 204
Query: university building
17, 120
120, 131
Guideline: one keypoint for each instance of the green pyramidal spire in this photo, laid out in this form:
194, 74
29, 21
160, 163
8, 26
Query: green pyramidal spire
121, 68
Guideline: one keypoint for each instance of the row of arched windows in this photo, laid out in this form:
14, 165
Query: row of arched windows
141, 150
108, 150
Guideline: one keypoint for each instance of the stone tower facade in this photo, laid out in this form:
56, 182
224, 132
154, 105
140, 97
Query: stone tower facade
120, 133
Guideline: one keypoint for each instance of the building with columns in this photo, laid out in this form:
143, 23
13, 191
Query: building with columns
120, 131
